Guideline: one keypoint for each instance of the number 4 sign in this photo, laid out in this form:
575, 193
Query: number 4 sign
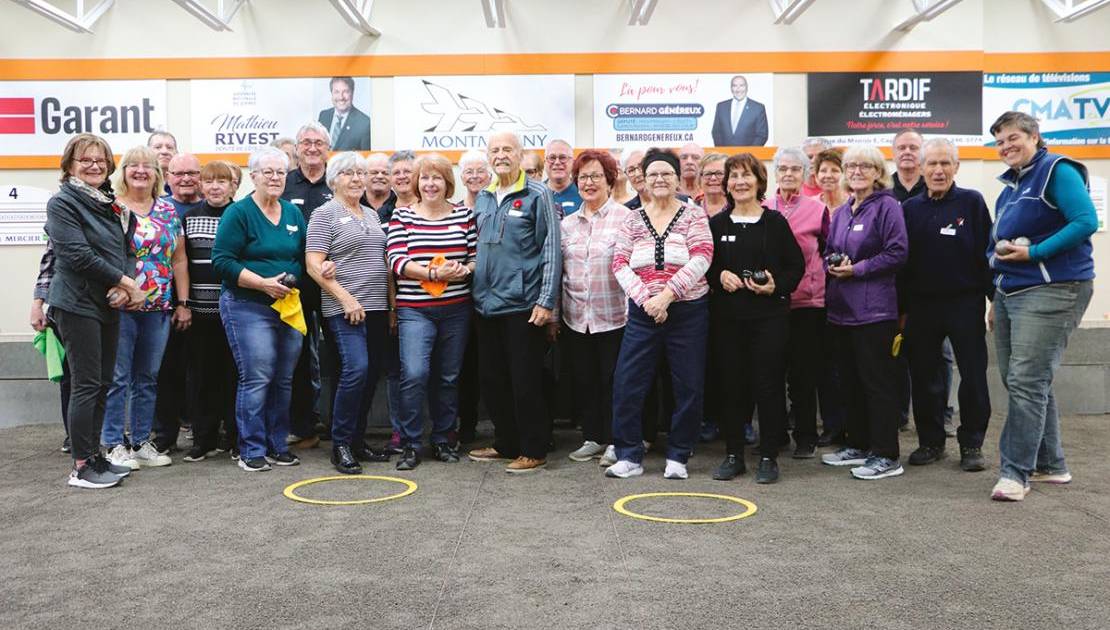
23, 215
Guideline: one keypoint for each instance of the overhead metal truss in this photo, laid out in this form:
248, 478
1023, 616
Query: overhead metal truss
80, 21
357, 14
218, 20
1072, 10
786, 11
925, 10
494, 10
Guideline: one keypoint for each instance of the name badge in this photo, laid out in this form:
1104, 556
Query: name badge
732, 238
515, 213
948, 231
857, 228
344, 220
292, 228
299, 202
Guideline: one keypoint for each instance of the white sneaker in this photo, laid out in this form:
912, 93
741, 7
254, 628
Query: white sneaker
609, 458
120, 455
624, 469
1009, 490
1051, 477
587, 451
675, 470
148, 456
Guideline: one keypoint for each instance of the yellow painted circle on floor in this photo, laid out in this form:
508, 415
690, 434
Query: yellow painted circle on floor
749, 507
291, 490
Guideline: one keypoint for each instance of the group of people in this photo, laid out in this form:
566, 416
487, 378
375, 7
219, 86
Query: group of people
669, 284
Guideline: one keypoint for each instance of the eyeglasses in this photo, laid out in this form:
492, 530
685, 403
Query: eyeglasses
269, 173
862, 167
352, 173
792, 169
185, 173
312, 143
148, 167
666, 175
551, 159
531, 171
473, 172
87, 162
713, 174
632, 170
375, 172
591, 177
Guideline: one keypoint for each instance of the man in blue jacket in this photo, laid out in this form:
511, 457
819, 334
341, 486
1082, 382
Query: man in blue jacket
515, 288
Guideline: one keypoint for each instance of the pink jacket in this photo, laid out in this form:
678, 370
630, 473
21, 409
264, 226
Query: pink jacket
810, 222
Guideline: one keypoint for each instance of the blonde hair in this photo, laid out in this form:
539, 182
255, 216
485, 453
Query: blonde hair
141, 154
868, 155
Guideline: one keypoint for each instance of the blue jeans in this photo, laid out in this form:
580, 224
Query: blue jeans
432, 341
142, 340
362, 350
1031, 331
266, 350
683, 338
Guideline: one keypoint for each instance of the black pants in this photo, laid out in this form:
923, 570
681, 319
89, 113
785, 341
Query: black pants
91, 354
64, 383
752, 352
170, 407
511, 354
869, 377
593, 359
212, 388
306, 380
806, 357
928, 322
659, 403
468, 384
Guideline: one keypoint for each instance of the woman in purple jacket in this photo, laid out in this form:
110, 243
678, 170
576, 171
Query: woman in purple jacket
866, 247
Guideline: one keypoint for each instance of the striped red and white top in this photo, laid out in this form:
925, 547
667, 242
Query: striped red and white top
412, 238
645, 262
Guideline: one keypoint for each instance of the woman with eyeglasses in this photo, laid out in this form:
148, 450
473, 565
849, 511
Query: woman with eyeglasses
259, 255
867, 246
355, 301
660, 258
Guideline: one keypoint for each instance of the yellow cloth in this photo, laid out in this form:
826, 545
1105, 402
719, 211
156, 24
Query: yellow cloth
437, 287
289, 307
896, 347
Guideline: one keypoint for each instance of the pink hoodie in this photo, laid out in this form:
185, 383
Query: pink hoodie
810, 222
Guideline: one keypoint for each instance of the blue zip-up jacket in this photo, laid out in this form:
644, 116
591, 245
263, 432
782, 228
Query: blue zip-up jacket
1026, 207
520, 259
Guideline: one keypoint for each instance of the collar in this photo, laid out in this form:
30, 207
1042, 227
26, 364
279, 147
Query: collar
521, 182
300, 176
1011, 177
945, 197
602, 212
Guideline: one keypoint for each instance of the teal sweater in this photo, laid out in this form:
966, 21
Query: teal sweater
1068, 191
247, 240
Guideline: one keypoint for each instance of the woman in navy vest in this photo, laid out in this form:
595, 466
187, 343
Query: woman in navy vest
1040, 255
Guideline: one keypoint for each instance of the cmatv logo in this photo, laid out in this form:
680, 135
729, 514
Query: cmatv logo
18, 115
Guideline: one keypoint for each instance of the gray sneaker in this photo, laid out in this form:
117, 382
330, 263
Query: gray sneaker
878, 468
609, 458
587, 451
845, 457
93, 474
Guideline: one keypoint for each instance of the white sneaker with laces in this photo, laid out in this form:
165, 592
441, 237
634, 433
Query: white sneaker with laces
148, 456
624, 469
1051, 477
120, 455
1009, 490
675, 470
609, 458
587, 451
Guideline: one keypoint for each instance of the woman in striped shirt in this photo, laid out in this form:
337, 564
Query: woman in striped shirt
431, 250
660, 258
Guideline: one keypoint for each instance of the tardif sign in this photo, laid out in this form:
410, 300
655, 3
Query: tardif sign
39, 117
1073, 107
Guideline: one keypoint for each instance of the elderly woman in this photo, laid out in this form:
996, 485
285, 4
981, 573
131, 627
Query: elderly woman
88, 235
475, 173
1041, 256
660, 258
594, 307
711, 181
161, 267
355, 302
809, 220
756, 265
866, 247
431, 250
259, 250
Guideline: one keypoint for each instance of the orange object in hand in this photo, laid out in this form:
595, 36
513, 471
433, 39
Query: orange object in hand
435, 288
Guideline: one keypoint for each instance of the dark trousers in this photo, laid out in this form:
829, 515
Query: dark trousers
469, 384
91, 354
170, 406
306, 381
753, 354
830, 394
928, 322
212, 388
593, 360
659, 404
64, 383
682, 338
510, 356
806, 358
869, 378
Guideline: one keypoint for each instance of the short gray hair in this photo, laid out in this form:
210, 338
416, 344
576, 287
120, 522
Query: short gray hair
474, 155
792, 152
342, 162
318, 128
815, 141
628, 158
278, 142
548, 146
944, 143
266, 152
404, 155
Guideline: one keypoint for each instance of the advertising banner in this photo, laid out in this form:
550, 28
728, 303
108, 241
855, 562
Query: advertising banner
39, 117
456, 113
240, 115
869, 108
674, 109
23, 214
1072, 107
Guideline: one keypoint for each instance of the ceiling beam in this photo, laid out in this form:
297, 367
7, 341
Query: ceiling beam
494, 11
80, 21
641, 12
1072, 10
925, 10
786, 11
357, 15
218, 20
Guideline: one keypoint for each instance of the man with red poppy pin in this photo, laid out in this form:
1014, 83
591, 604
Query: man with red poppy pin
516, 285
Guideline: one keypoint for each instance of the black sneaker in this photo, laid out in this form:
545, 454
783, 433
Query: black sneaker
254, 464
971, 459
410, 459
730, 467
234, 453
199, 454
828, 438
65, 445
119, 471
805, 451
445, 453
283, 459
768, 471
367, 453
93, 474
926, 455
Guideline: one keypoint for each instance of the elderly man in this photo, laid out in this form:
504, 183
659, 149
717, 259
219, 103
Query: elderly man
906, 150
812, 146
689, 158
740, 121
559, 156
379, 192
532, 165
348, 127
183, 177
516, 285
942, 288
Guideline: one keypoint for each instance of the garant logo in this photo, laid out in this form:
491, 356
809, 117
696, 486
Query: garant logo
461, 114
17, 115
